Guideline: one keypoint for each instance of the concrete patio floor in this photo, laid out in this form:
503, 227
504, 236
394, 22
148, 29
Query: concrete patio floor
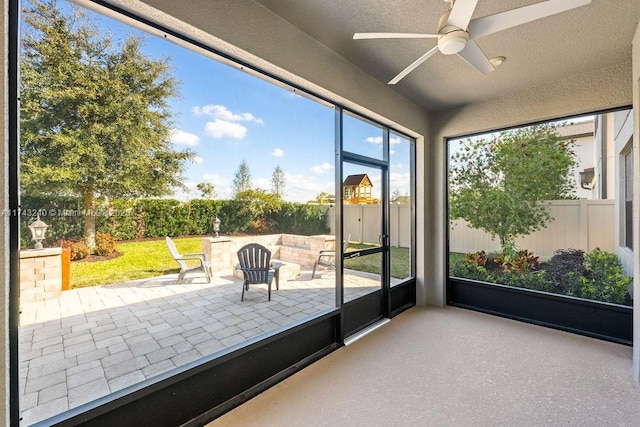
447, 366
94, 341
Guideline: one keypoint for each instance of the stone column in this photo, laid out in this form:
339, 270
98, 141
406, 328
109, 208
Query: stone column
40, 274
218, 252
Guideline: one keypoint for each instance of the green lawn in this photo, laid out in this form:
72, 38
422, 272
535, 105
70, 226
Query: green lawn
400, 261
150, 258
139, 260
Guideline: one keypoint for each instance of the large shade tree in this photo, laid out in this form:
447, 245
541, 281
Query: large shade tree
499, 184
95, 119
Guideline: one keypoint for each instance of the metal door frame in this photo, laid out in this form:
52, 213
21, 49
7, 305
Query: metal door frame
365, 311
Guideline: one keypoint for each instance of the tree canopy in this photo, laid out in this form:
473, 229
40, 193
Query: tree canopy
207, 190
398, 197
242, 179
278, 180
499, 185
94, 115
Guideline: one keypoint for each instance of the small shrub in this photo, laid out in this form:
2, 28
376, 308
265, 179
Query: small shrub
466, 270
521, 261
565, 270
105, 244
526, 279
508, 252
79, 250
260, 226
477, 258
604, 280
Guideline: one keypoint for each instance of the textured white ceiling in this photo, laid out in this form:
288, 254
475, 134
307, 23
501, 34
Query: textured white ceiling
574, 42
568, 44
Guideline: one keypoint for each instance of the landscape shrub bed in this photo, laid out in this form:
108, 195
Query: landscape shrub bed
596, 275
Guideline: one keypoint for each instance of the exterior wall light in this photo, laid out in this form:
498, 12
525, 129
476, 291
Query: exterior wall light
586, 178
216, 225
38, 229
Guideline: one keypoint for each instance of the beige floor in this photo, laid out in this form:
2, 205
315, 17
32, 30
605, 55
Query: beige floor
454, 367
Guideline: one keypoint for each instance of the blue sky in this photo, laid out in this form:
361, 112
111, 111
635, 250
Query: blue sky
226, 116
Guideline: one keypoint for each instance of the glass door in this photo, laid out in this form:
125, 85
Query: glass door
365, 224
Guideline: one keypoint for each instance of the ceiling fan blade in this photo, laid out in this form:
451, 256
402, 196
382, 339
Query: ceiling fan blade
361, 36
501, 21
413, 66
475, 57
461, 13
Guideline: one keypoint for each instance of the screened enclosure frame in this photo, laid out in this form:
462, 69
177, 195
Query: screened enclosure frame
282, 352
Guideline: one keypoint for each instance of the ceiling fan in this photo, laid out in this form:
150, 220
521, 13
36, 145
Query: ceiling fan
457, 31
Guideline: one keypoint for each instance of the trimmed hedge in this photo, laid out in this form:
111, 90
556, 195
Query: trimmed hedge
128, 219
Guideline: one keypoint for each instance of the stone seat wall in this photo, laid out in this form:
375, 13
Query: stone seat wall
288, 248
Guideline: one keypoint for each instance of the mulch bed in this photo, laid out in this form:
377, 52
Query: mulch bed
98, 258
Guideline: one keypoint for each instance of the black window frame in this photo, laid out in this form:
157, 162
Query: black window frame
198, 404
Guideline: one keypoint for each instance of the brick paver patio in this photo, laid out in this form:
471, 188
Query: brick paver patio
94, 341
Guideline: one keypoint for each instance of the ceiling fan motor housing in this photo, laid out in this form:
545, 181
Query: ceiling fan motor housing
453, 42
452, 39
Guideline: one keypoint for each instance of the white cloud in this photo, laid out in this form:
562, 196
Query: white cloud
186, 193
378, 140
277, 152
225, 122
400, 181
214, 179
263, 184
198, 160
180, 137
299, 188
392, 152
321, 168
223, 113
222, 128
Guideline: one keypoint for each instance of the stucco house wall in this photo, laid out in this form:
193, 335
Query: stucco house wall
635, 93
622, 129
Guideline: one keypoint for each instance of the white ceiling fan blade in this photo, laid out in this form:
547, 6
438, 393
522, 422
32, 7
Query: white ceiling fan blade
501, 21
461, 13
413, 66
476, 57
362, 36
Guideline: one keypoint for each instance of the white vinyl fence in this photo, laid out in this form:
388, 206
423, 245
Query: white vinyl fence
578, 224
363, 223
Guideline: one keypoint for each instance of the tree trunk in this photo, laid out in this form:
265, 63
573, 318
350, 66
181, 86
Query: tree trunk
89, 218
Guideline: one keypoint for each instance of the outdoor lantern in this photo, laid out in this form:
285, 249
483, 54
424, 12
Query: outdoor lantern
38, 229
586, 178
216, 225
